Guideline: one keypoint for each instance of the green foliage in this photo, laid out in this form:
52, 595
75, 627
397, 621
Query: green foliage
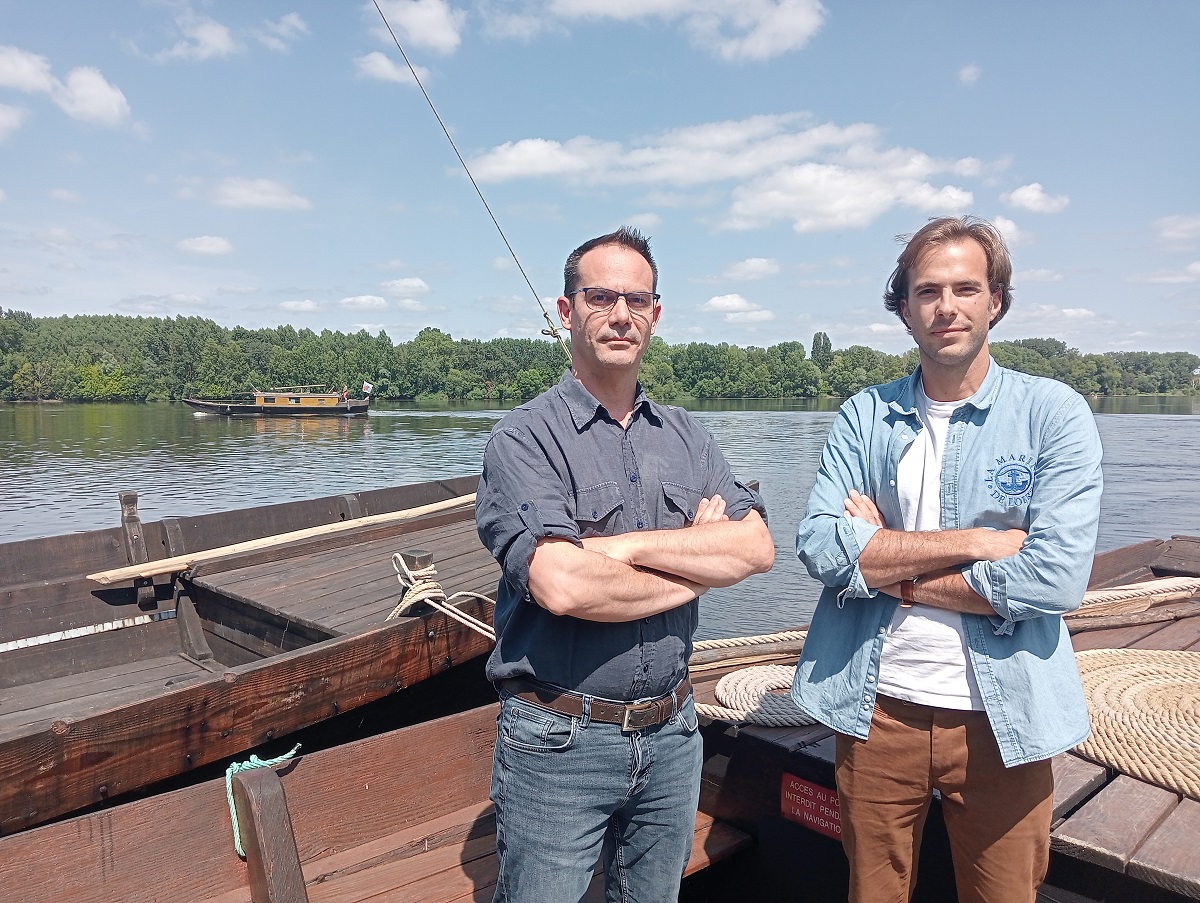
111, 358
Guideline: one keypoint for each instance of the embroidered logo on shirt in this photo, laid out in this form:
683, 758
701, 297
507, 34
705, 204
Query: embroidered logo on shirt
1010, 482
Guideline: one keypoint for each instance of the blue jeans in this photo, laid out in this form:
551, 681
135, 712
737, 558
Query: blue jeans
567, 790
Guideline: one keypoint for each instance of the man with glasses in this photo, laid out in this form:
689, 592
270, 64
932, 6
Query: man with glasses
609, 514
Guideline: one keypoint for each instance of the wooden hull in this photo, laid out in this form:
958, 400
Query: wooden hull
401, 816
352, 408
108, 689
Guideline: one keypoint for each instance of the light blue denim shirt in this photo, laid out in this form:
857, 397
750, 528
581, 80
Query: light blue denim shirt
1023, 454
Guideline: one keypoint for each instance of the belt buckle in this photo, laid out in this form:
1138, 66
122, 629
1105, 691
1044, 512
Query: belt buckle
635, 713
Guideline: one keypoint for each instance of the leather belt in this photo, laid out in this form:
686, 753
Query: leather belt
632, 716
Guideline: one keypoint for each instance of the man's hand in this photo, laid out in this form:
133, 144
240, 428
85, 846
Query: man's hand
710, 511
859, 505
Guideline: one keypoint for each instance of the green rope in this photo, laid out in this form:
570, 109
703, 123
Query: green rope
253, 762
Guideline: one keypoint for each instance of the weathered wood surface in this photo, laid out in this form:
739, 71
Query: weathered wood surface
402, 815
83, 720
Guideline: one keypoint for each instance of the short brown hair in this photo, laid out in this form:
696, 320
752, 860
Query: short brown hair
949, 230
626, 237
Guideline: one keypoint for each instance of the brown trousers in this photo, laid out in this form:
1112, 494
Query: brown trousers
997, 818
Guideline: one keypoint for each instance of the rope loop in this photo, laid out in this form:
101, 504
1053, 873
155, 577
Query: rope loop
236, 767
419, 586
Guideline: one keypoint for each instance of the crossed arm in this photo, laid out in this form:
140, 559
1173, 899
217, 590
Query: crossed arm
635, 575
936, 558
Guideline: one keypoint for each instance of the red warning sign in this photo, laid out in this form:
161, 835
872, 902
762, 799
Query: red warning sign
811, 805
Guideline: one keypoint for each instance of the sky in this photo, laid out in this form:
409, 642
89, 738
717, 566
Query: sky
267, 163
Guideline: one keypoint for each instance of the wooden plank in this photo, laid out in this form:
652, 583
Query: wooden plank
1075, 780
183, 562
1170, 857
121, 749
1108, 829
1174, 635
175, 847
1113, 637
265, 828
81, 655
1180, 557
1124, 565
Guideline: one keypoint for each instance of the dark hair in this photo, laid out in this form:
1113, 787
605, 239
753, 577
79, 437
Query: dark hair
946, 231
626, 237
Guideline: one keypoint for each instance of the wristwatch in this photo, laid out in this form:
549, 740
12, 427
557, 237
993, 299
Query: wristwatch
906, 592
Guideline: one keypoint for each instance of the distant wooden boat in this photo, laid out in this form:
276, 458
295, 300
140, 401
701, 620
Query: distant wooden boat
399, 816
105, 689
1114, 837
286, 401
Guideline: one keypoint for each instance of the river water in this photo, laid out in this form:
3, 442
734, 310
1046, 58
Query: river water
62, 466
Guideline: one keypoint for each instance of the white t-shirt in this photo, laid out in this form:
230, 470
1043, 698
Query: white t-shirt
924, 656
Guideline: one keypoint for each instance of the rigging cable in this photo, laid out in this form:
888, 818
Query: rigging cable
552, 330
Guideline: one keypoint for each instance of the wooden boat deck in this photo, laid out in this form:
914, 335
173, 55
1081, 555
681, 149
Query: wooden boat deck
1114, 838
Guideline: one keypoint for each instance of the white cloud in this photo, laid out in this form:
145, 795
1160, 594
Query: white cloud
11, 119
1178, 228
747, 30
1040, 275
502, 264
406, 286
85, 95
258, 194
279, 36
364, 302
821, 177
206, 244
300, 307
969, 74
25, 71
1190, 273
160, 305
432, 24
383, 68
1033, 197
726, 303
66, 195
202, 39
752, 268
646, 222
1010, 231
237, 289
411, 304
737, 309
749, 316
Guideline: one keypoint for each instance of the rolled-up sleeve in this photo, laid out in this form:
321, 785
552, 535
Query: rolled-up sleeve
739, 498
829, 541
520, 502
1050, 573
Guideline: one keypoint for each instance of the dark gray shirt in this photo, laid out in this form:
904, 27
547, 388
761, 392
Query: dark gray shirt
560, 466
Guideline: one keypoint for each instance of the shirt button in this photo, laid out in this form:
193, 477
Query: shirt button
633, 478
595, 514
524, 506
691, 514
641, 524
882, 631
870, 678
892, 482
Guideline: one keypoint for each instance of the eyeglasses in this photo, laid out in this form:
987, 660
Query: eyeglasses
604, 298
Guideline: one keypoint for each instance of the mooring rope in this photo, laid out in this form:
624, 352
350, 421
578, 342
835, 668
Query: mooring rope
750, 640
1161, 589
419, 586
747, 695
253, 762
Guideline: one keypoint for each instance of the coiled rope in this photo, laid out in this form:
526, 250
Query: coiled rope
750, 695
419, 586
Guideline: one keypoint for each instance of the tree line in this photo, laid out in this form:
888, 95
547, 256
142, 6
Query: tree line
119, 358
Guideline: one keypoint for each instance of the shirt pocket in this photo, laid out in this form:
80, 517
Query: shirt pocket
598, 510
679, 504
